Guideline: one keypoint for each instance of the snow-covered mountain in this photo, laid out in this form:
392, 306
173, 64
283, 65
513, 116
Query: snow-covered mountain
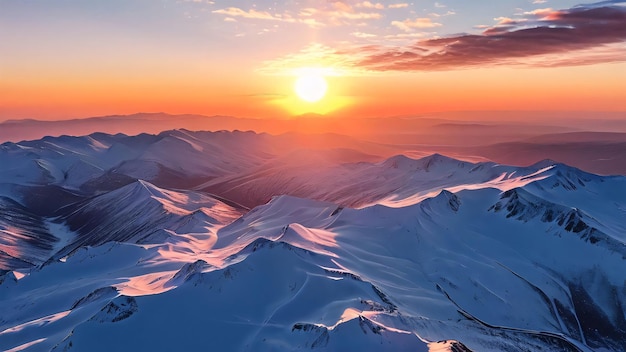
84, 163
395, 182
431, 254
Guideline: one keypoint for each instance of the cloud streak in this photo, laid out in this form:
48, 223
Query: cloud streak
237, 12
409, 25
541, 33
335, 13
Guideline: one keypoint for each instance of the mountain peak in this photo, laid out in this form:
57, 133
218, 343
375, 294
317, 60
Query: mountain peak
422, 255
404, 162
544, 163
149, 187
563, 176
524, 206
445, 201
427, 163
137, 190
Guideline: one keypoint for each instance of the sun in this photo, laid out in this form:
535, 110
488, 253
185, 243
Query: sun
311, 87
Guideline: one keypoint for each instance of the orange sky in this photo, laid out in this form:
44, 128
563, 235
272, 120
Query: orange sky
382, 60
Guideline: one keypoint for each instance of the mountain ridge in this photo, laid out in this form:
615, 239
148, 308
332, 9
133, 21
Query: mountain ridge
403, 253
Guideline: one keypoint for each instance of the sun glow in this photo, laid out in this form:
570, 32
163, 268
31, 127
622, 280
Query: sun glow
311, 87
311, 90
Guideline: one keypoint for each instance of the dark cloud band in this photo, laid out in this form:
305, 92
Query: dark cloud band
543, 32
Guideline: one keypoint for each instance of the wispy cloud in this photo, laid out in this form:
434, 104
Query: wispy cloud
331, 61
408, 25
370, 5
580, 35
399, 5
332, 13
539, 33
237, 12
252, 14
363, 35
447, 13
338, 12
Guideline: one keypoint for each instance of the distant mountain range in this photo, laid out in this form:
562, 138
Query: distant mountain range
594, 142
244, 241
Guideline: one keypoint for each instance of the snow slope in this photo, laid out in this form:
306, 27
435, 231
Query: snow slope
395, 182
72, 162
141, 213
432, 254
